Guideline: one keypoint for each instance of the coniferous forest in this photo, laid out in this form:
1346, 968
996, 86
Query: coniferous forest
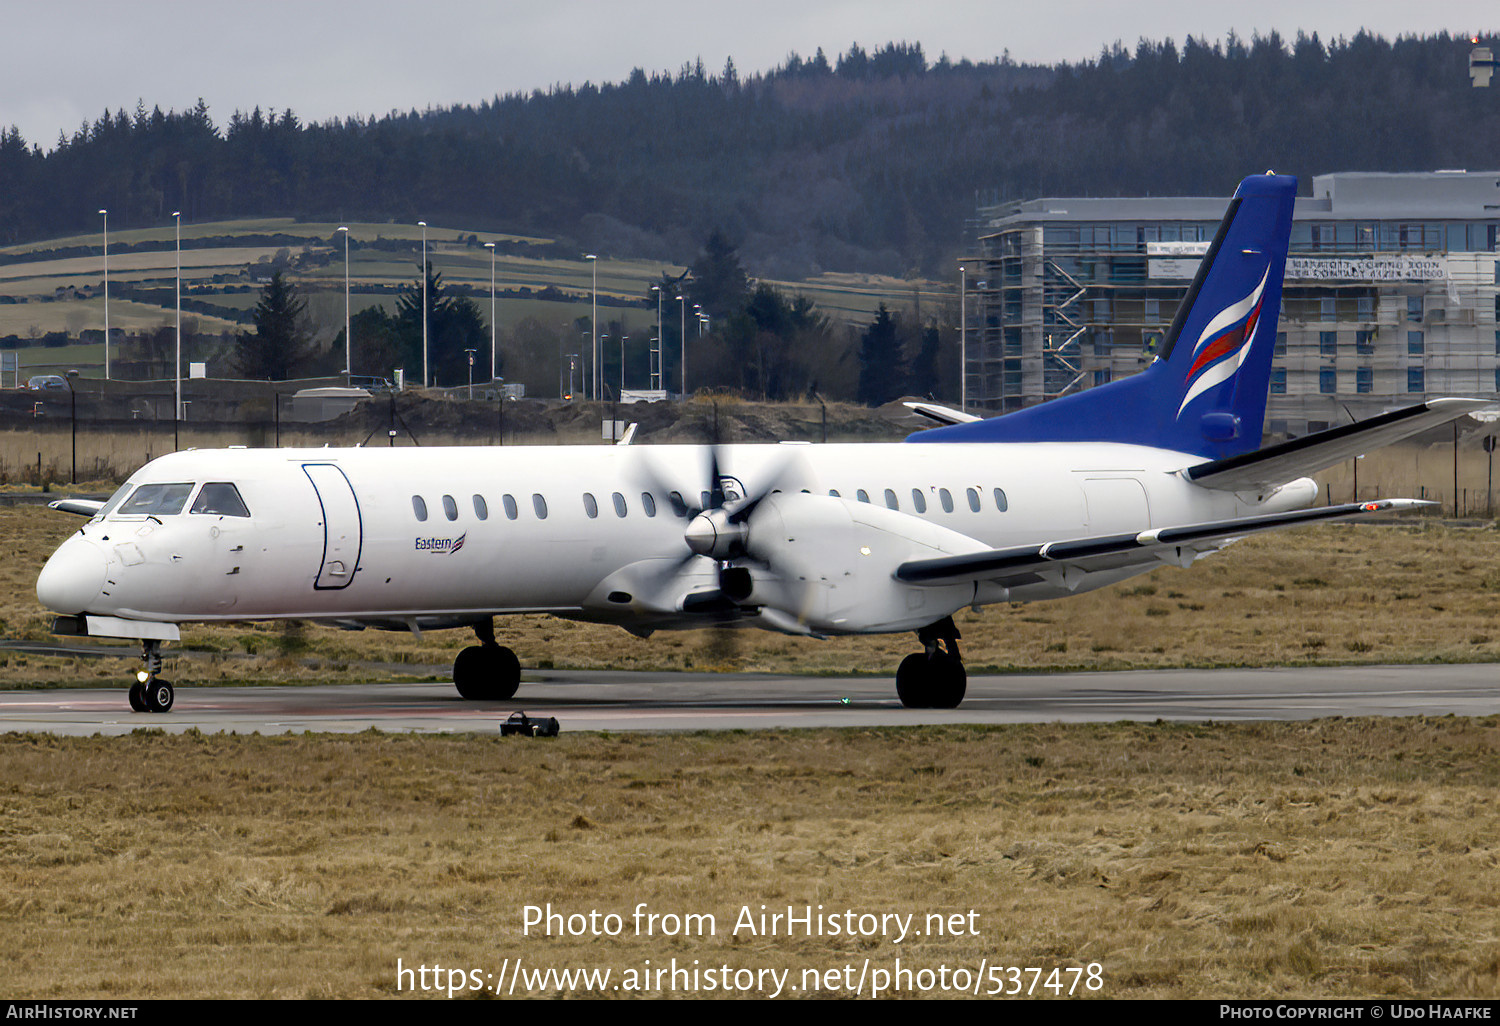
867, 161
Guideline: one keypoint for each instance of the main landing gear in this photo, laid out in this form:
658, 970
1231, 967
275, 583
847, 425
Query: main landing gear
486, 671
150, 693
933, 678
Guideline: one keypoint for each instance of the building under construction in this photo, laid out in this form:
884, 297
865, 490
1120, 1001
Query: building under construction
1390, 294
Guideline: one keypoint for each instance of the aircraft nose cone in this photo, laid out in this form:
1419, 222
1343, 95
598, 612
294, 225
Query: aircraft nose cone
73, 577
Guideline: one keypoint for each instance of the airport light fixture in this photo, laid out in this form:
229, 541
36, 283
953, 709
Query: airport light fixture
594, 327
73, 420
963, 338
177, 356
423, 225
593, 348
494, 359
682, 304
348, 339
105, 214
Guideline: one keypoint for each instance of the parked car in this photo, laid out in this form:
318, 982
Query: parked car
375, 386
47, 383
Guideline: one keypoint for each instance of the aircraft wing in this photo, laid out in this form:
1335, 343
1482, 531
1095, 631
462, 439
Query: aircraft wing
1277, 464
1021, 564
82, 507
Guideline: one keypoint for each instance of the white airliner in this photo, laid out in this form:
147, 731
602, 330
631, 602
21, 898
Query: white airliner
1064, 497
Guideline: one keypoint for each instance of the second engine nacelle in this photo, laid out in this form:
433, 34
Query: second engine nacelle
829, 563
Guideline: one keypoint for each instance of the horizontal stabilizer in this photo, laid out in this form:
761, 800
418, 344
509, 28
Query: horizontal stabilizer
941, 414
1021, 564
1287, 461
82, 507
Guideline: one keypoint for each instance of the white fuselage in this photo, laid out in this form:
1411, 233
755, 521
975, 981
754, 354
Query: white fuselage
336, 534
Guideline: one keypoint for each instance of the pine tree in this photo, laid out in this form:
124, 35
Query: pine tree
880, 360
719, 282
454, 324
281, 343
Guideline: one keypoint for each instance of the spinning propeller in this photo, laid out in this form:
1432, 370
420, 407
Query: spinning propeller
718, 528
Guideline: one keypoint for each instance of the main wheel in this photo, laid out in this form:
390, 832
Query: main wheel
935, 682
138, 697
159, 696
949, 682
911, 682
487, 673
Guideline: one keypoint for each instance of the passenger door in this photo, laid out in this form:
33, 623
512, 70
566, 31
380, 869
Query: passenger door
343, 528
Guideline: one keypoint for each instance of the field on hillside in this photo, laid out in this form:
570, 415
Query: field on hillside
33, 282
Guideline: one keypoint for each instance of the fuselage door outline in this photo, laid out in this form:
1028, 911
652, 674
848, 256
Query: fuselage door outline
343, 526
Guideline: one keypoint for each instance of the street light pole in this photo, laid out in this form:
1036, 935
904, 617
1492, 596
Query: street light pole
622, 362
106, 293
348, 339
963, 338
73, 420
494, 360
177, 358
424, 302
471, 353
682, 304
594, 326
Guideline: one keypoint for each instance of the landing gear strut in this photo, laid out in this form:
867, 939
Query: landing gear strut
150, 693
933, 678
486, 671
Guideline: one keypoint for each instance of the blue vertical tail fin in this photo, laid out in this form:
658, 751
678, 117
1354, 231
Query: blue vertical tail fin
1205, 393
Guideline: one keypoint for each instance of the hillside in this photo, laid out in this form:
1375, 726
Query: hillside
52, 301
869, 162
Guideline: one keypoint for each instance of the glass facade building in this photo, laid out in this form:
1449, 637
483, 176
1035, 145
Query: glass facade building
1390, 294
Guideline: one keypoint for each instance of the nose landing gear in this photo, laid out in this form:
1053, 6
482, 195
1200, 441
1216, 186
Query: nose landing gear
150, 693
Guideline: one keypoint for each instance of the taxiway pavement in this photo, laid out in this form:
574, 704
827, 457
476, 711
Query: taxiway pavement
622, 701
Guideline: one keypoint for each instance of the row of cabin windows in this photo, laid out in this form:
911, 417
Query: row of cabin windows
945, 499
680, 508
481, 508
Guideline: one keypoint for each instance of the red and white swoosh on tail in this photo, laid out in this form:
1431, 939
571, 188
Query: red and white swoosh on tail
1224, 344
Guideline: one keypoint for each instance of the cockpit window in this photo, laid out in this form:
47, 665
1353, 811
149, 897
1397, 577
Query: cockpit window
157, 500
115, 500
220, 498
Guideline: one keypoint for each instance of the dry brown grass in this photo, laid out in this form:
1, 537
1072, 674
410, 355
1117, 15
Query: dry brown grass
1333, 858
1340, 594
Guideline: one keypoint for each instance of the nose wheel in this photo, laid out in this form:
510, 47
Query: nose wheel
150, 693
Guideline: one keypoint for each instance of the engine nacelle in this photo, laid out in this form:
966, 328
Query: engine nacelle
830, 562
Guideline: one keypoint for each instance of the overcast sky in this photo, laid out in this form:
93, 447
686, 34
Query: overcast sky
66, 60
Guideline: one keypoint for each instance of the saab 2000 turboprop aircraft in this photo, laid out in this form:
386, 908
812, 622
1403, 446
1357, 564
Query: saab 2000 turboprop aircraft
1159, 468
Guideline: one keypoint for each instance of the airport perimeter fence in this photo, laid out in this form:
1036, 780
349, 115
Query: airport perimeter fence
57, 437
